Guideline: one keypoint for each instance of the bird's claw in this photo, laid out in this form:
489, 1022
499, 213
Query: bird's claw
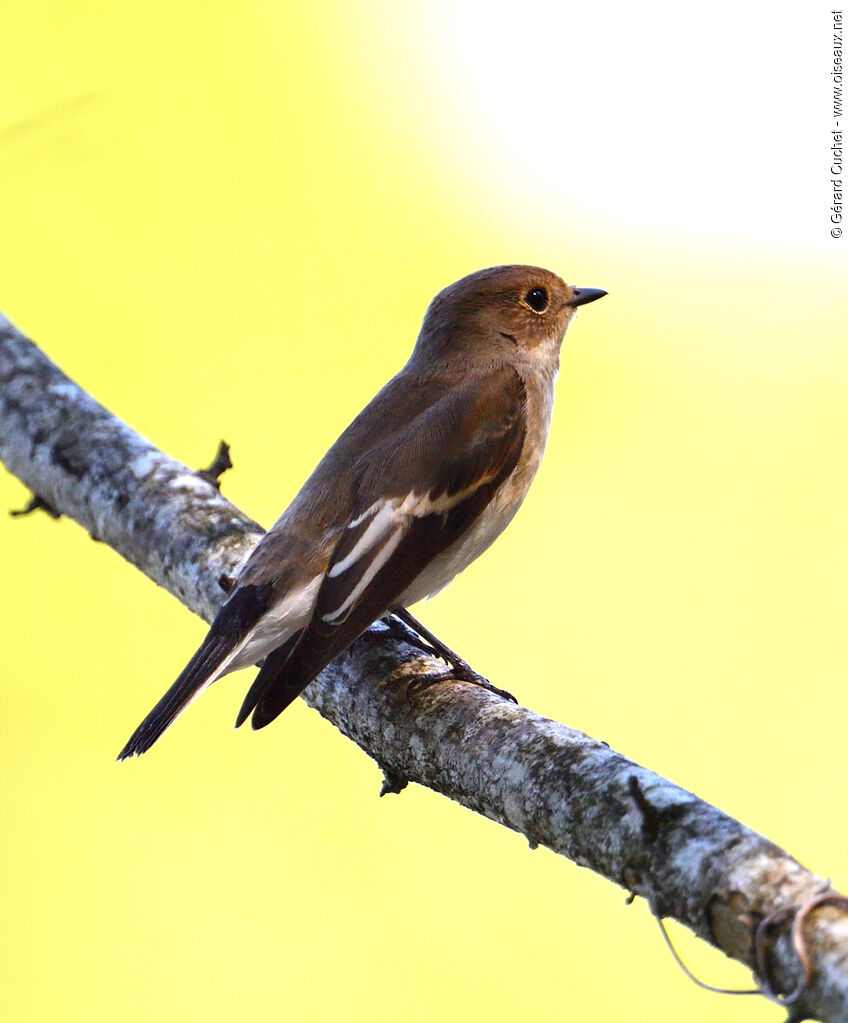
461, 672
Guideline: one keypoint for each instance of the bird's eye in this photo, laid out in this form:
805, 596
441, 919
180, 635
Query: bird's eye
537, 299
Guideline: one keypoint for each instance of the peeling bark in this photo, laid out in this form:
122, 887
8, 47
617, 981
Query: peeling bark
556, 786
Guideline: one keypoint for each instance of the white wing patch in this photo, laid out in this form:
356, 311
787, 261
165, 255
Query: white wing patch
381, 528
389, 544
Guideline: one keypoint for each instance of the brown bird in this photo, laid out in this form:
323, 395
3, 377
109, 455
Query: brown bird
422, 481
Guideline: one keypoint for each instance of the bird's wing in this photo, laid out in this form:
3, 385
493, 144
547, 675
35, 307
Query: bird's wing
417, 494
233, 623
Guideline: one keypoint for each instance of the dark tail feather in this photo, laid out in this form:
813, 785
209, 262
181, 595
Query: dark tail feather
194, 676
272, 668
309, 655
281, 680
275, 699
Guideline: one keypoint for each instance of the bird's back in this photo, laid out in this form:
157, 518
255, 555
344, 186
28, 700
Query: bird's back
318, 509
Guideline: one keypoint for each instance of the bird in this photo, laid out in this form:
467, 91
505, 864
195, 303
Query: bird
422, 481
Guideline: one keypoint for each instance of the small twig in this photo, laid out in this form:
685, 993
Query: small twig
226, 582
35, 503
219, 465
392, 783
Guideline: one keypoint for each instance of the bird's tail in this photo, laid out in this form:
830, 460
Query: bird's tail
271, 672
208, 664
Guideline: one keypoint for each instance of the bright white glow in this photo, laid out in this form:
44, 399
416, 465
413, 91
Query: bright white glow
712, 118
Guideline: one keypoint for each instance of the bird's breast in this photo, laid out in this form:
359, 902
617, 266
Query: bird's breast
499, 512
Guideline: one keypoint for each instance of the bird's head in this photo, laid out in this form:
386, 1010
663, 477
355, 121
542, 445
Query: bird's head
500, 309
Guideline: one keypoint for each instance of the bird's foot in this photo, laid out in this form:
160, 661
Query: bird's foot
400, 630
465, 673
460, 672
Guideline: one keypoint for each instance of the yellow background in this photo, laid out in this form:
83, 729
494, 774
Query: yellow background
226, 221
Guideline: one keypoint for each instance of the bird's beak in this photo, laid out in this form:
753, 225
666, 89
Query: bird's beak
580, 296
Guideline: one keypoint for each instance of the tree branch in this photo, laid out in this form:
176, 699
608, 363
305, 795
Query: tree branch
556, 786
